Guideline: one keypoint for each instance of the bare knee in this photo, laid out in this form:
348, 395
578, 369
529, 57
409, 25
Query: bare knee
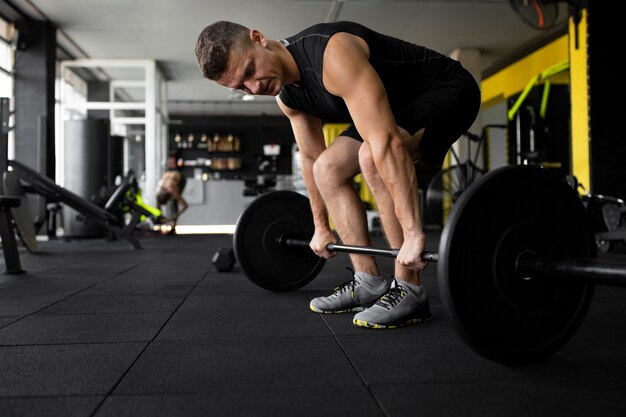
366, 161
328, 174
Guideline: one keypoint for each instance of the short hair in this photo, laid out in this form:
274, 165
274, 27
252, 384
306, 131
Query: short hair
163, 197
214, 45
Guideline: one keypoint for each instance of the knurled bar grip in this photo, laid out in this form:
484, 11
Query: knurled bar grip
365, 250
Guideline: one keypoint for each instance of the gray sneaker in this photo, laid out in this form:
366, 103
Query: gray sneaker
398, 307
352, 295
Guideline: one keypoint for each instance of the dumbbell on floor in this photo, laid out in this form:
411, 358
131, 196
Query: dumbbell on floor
224, 259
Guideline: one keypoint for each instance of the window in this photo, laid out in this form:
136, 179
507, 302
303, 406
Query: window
6, 59
6, 74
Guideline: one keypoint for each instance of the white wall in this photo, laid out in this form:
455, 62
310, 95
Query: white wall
218, 202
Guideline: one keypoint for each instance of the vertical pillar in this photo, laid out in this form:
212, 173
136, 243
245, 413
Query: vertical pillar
471, 60
579, 96
607, 106
35, 59
4, 138
85, 170
152, 161
34, 95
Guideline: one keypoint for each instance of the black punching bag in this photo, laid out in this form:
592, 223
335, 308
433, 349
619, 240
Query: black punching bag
85, 171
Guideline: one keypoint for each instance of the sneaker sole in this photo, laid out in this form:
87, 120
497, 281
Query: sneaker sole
350, 310
363, 323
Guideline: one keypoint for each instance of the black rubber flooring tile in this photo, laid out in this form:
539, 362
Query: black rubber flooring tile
600, 342
232, 282
234, 274
43, 262
100, 267
60, 276
181, 255
605, 292
139, 276
581, 395
21, 307
172, 272
186, 245
6, 278
83, 328
178, 270
433, 355
50, 274
64, 370
127, 287
327, 401
236, 286
6, 320
103, 304
205, 298
15, 303
75, 259
206, 326
240, 366
82, 406
29, 286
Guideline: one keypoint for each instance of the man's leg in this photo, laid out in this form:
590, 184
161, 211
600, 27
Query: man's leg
333, 172
390, 223
406, 301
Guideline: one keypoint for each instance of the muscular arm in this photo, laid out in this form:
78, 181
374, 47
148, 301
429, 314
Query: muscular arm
348, 74
309, 137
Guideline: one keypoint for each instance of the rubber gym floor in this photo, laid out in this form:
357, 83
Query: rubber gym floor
95, 328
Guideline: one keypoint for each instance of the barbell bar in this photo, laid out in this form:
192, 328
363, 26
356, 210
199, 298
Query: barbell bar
528, 265
507, 241
363, 250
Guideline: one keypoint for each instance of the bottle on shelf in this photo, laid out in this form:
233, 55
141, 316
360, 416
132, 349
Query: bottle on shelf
214, 144
203, 144
190, 140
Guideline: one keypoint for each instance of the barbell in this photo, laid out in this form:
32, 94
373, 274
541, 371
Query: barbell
516, 264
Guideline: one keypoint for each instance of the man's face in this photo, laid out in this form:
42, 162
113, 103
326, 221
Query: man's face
253, 70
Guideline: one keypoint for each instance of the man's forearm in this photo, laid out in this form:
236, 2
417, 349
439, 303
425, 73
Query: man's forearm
318, 207
398, 173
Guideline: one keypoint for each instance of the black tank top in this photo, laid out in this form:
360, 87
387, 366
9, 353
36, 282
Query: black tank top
406, 69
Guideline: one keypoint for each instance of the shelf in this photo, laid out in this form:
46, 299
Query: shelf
213, 162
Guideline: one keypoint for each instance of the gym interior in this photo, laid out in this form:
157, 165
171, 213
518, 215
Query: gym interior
106, 309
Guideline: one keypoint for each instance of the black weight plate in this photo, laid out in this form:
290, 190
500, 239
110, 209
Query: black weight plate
262, 258
24, 219
499, 314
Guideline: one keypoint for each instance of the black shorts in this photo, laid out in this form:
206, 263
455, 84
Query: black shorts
445, 111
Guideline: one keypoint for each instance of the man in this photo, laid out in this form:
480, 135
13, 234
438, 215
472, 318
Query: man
170, 188
406, 103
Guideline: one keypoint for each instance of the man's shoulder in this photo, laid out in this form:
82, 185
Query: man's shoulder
327, 29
